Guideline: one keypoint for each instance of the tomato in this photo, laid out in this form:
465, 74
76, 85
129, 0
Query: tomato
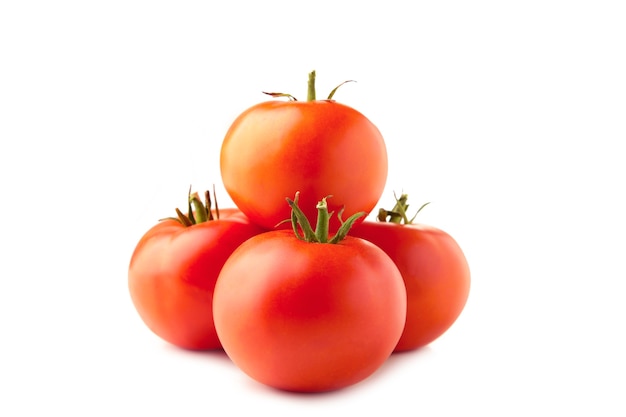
308, 317
435, 272
172, 275
318, 147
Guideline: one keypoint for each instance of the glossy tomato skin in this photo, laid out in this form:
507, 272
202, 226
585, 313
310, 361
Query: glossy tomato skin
308, 317
172, 276
435, 272
320, 148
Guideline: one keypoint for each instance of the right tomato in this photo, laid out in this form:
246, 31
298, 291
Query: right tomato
434, 269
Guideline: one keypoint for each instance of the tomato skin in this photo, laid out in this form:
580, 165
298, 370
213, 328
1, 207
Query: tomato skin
320, 148
308, 317
435, 272
172, 276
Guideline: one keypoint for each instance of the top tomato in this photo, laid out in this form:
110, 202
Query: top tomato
317, 147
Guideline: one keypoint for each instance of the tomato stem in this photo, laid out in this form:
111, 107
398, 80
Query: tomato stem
345, 226
310, 96
197, 211
184, 220
323, 220
207, 205
190, 213
200, 210
299, 219
398, 213
400, 208
299, 222
276, 95
332, 93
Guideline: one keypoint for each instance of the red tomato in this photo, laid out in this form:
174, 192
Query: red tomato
308, 317
435, 272
172, 276
317, 147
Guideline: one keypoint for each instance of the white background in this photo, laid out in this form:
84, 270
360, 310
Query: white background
509, 117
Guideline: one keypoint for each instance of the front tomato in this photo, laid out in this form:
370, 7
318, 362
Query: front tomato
308, 317
317, 147
172, 275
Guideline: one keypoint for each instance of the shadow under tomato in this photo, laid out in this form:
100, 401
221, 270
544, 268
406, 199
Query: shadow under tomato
296, 395
396, 360
215, 354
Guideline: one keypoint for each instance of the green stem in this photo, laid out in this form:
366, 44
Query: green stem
298, 218
345, 227
320, 235
207, 205
184, 220
276, 95
398, 213
311, 87
217, 209
400, 208
323, 219
332, 93
197, 211
190, 207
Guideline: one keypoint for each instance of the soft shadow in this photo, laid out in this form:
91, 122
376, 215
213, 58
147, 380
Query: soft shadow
399, 359
214, 354
395, 362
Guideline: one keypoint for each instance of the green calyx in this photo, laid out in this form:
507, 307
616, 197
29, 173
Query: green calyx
197, 210
398, 213
320, 235
311, 94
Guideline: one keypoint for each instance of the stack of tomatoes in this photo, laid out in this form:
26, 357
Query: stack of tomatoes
301, 291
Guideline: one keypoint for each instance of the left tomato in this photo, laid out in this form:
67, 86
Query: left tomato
174, 267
